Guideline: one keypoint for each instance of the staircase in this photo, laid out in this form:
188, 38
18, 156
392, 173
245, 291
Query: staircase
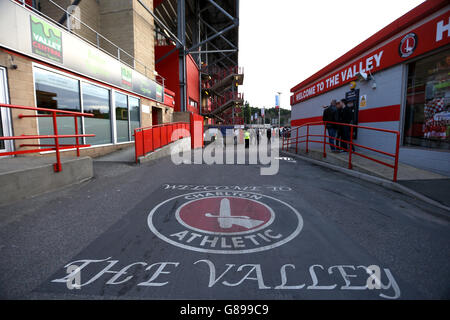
224, 102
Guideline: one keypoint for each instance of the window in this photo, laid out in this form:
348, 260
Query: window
96, 100
427, 117
55, 91
2, 144
135, 119
193, 103
122, 125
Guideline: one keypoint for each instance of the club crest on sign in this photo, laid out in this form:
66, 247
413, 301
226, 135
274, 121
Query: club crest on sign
225, 222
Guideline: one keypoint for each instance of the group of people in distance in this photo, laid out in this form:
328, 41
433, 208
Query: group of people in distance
255, 135
338, 112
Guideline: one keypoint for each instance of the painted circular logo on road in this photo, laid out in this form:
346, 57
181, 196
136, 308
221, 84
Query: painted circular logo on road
408, 45
225, 222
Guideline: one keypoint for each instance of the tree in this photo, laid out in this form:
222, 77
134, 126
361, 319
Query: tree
247, 113
272, 113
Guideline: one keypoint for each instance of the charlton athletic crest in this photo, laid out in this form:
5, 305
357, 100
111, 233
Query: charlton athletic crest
225, 222
408, 45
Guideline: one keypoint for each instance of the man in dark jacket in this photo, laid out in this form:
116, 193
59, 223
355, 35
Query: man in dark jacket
345, 116
331, 114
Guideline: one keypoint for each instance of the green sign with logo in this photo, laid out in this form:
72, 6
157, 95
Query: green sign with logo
159, 92
46, 40
127, 77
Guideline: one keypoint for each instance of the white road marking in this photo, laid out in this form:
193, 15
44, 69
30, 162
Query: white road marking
226, 220
294, 234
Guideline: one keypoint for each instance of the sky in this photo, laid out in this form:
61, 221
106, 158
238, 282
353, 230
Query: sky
284, 42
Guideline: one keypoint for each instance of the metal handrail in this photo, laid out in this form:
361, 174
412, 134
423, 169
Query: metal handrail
145, 140
57, 147
159, 125
217, 102
289, 140
220, 75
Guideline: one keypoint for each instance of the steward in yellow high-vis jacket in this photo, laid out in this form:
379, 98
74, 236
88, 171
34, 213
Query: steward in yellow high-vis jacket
247, 138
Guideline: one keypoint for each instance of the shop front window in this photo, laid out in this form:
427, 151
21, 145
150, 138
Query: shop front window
135, 119
427, 117
96, 100
2, 144
57, 91
122, 126
54, 91
193, 103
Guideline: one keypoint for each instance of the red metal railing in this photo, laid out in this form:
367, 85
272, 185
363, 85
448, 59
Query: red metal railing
148, 139
217, 102
57, 147
290, 138
235, 121
196, 130
218, 74
228, 117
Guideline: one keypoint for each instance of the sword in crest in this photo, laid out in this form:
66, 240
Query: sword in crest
226, 220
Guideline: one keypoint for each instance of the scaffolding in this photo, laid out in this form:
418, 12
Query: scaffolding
207, 30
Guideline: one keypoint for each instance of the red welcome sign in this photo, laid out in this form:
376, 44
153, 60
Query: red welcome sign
427, 37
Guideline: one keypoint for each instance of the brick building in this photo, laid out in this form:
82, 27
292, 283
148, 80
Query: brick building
101, 57
99, 60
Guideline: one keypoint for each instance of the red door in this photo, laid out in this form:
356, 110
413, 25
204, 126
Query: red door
154, 116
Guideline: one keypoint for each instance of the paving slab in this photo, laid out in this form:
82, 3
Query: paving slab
125, 155
405, 172
436, 189
24, 177
23, 163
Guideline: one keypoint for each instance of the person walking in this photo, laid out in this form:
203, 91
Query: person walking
252, 136
330, 114
269, 134
236, 136
257, 136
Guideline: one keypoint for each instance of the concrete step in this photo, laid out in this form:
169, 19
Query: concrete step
180, 145
405, 172
125, 155
24, 177
429, 186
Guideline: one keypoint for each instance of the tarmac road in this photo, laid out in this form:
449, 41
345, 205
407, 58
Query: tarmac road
161, 231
